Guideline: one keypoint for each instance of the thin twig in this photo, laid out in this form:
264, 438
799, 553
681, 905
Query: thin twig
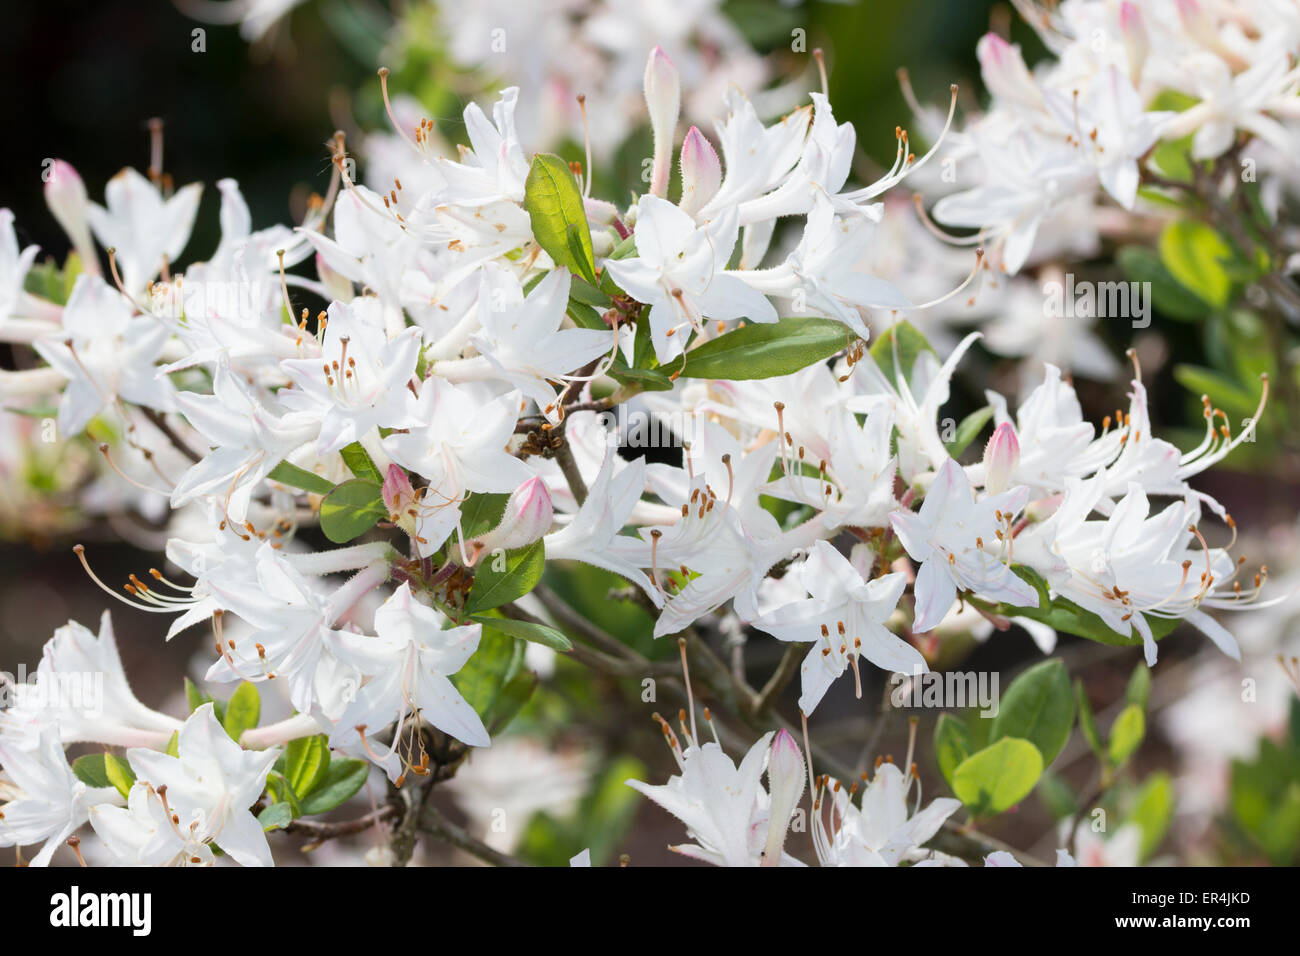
436, 823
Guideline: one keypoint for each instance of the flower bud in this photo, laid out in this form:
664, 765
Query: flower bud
785, 778
1135, 38
701, 171
528, 515
1004, 71
1001, 458
65, 194
663, 100
397, 492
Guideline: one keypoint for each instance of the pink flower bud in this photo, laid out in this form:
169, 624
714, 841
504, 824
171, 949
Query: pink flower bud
785, 778
663, 100
701, 171
65, 194
1001, 458
1004, 70
397, 491
1135, 38
527, 517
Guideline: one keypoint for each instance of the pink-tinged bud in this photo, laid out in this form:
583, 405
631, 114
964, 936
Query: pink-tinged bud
397, 491
1135, 38
1001, 458
65, 194
663, 100
1004, 70
528, 515
701, 171
785, 779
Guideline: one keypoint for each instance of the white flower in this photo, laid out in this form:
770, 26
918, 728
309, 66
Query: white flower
843, 619
963, 543
408, 663
357, 384
51, 802
106, 352
680, 272
880, 831
207, 790
724, 807
146, 230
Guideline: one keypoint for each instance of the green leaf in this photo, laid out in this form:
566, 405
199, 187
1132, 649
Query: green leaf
174, 744
559, 221
1139, 686
194, 697
481, 512
495, 585
588, 294
342, 779
279, 790
766, 350
296, 477
1126, 734
92, 770
276, 817
1057, 796
1168, 295
952, 744
351, 509
119, 773
1087, 723
527, 631
968, 430
514, 694
1153, 811
498, 659
1197, 257
306, 761
910, 344
361, 464
243, 711
998, 777
1038, 707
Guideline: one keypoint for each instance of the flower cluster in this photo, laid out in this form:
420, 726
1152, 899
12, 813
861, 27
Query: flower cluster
448, 418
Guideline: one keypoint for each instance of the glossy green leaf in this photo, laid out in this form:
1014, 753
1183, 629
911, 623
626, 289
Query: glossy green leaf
306, 761
276, 817
340, 782
527, 631
119, 773
559, 221
1153, 811
969, 430
501, 579
1198, 258
361, 464
351, 509
766, 350
952, 744
1038, 707
1087, 722
1168, 296
1126, 734
296, 477
243, 710
897, 350
92, 770
998, 777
